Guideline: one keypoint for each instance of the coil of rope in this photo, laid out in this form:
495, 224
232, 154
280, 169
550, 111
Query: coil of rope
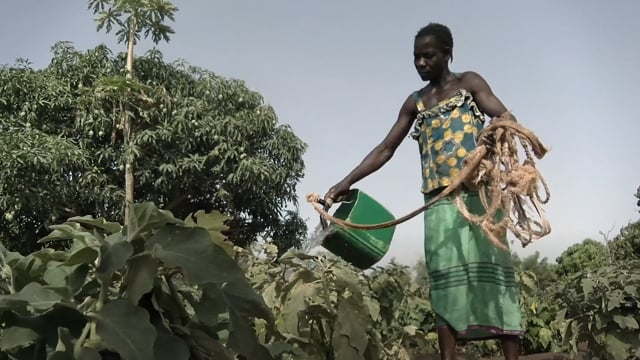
507, 188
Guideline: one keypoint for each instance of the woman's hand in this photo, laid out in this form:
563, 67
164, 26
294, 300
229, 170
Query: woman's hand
337, 193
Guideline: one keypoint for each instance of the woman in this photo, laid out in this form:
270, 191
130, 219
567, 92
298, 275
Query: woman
472, 282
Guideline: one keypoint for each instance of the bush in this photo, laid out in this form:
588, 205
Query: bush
113, 294
165, 288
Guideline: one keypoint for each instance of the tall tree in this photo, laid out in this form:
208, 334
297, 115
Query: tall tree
626, 245
588, 255
202, 142
133, 19
421, 272
545, 272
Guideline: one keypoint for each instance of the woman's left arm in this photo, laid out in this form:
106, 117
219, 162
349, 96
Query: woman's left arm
486, 100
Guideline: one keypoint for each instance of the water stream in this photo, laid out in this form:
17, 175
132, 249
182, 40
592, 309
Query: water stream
315, 239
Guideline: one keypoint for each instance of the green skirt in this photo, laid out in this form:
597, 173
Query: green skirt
472, 282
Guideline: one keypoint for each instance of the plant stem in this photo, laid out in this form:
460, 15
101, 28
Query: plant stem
126, 128
78, 346
184, 316
102, 296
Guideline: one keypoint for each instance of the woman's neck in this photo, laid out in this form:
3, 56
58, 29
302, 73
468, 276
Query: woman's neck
442, 80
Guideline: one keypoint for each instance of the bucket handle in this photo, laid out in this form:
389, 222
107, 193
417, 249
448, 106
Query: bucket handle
326, 206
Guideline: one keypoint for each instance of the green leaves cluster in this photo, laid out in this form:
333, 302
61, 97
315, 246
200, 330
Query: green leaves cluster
327, 309
161, 288
139, 17
587, 255
602, 309
169, 288
200, 142
538, 315
626, 245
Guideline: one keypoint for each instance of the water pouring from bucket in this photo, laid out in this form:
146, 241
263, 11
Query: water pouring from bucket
362, 248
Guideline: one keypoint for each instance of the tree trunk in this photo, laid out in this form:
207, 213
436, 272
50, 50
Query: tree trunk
126, 127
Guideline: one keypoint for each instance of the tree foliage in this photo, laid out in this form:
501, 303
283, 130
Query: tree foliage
421, 272
545, 272
626, 245
201, 142
588, 255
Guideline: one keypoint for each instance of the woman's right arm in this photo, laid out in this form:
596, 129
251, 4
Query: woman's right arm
379, 156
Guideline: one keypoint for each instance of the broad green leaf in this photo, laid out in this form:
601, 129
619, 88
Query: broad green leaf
545, 336
35, 295
626, 322
192, 250
46, 325
169, 347
631, 289
214, 223
245, 301
616, 346
350, 331
209, 344
292, 254
141, 272
57, 276
100, 223
374, 308
77, 278
146, 216
14, 337
9, 257
71, 231
84, 255
167, 304
25, 353
346, 277
243, 340
587, 286
114, 253
211, 304
614, 298
125, 328
31, 268
294, 304
411, 329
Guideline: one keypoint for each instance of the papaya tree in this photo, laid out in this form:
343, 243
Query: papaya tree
133, 18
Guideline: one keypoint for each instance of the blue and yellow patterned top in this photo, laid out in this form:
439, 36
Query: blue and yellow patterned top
446, 133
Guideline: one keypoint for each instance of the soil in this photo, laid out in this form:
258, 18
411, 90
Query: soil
544, 356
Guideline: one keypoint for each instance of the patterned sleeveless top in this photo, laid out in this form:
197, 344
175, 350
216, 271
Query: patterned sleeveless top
446, 133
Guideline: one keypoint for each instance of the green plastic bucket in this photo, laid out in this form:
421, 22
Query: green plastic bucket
361, 248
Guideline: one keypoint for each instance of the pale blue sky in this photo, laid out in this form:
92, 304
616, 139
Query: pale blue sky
337, 72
